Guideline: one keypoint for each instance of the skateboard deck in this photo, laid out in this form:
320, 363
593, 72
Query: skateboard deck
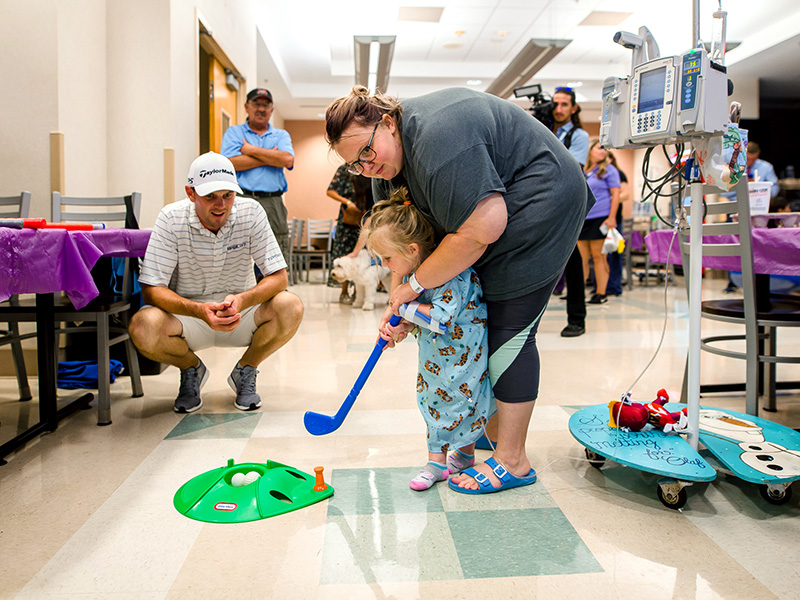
669, 455
752, 448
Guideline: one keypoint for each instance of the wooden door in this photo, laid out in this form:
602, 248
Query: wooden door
222, 103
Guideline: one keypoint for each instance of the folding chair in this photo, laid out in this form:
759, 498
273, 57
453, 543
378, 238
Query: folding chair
117, 303
317, 244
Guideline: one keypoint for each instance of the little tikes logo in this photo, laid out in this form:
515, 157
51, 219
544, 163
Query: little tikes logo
228, 506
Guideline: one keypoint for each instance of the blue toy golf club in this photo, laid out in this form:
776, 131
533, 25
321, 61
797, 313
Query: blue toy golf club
319, 424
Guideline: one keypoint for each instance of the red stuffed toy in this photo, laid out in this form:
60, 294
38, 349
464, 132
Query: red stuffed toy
634, 416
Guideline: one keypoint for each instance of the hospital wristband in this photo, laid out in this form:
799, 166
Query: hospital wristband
412, 281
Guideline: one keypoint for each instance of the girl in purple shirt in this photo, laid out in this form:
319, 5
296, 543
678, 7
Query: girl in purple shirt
603, 179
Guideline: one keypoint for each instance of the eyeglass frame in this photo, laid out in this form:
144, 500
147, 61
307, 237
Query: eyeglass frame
356, 167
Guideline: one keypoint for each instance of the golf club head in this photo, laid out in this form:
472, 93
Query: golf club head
319, 424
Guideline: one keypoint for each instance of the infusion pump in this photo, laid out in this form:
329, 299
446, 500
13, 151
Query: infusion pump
665, 100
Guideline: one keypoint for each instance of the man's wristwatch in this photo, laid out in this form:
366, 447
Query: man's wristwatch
412, 281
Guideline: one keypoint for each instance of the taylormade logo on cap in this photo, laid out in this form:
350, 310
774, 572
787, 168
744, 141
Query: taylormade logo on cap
212, 172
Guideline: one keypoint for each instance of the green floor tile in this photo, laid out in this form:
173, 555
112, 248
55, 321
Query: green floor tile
518, 543
215, 426
378, 530
388, 548
383, 491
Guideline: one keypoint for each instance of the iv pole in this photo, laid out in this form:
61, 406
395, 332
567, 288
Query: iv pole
695, 281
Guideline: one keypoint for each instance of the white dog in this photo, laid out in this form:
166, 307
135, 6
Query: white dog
364, 274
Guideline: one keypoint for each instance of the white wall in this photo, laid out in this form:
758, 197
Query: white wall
139, 115
82, 116
747, 91
119, 80
231, 24
28, 97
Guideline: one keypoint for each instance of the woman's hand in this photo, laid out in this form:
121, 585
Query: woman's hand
402, 294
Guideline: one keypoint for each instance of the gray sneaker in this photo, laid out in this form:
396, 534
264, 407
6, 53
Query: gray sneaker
192, 381
243, 381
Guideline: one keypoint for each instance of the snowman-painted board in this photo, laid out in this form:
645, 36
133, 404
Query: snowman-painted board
754, 449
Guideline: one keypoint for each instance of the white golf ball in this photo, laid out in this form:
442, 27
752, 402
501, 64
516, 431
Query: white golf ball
238, 480
251, 477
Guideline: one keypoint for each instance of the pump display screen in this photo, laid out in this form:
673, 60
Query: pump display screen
651, 89
691, 66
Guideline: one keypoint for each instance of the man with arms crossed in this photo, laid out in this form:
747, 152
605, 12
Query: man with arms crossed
260, 152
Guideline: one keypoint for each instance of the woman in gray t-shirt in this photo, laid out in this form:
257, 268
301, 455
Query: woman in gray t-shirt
506, 198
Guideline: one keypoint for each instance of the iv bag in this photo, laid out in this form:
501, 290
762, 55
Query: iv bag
718, 34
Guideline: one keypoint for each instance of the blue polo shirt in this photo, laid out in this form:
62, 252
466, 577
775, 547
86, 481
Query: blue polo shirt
258, 179
766, 172
579, 144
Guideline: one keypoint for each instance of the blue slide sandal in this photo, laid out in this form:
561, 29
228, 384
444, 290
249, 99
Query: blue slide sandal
507, 480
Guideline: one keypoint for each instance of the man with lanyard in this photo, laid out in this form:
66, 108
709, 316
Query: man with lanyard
567, 128
760, 170
260, 152
757, 170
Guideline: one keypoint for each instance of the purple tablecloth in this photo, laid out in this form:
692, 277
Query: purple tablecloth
637, 241
55, 260
775, 251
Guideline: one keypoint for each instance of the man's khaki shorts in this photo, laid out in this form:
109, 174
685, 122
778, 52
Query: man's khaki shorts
199, 335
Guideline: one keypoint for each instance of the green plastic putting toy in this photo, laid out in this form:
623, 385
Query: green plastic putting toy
249, 492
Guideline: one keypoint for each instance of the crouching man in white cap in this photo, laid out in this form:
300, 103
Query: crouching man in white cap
198, 282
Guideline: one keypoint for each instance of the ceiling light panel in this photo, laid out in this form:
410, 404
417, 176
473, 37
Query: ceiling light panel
605, 18
420, 14
528, 62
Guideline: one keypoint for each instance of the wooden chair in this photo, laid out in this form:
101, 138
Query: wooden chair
15, 207
756, 312
108, 306
317, 244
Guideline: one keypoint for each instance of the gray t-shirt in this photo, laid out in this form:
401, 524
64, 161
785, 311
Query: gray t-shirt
460, 146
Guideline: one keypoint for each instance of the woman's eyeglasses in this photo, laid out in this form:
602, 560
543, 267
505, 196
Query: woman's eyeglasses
366, 155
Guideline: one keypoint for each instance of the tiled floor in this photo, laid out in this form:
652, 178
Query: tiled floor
87, 513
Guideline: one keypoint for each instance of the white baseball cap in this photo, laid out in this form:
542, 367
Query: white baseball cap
212, 172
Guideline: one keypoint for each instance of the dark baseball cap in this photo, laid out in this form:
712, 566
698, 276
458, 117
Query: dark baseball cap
259, 93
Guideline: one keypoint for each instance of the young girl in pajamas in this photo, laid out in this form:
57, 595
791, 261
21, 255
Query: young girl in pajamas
453, 389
